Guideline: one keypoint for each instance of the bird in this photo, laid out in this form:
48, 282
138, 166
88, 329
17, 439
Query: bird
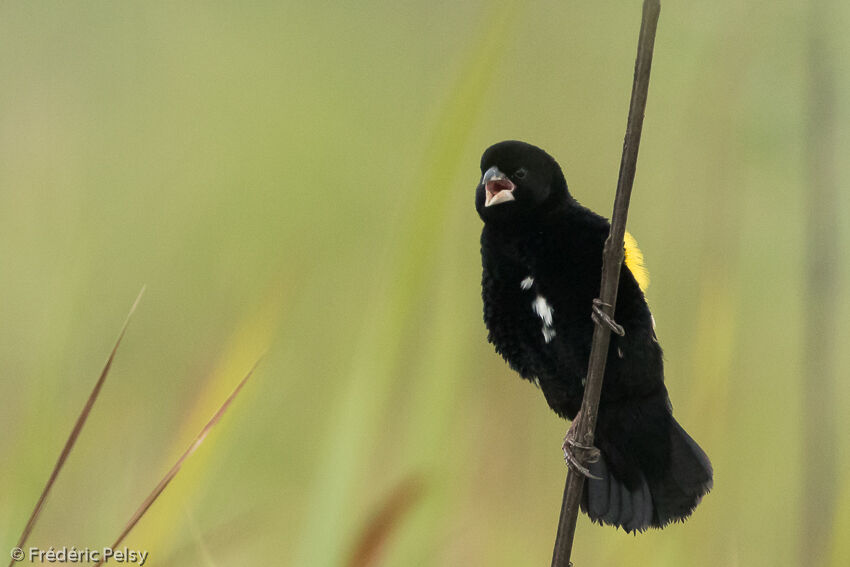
541, 254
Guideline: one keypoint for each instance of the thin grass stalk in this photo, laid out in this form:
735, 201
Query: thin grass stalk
823, 257
391, 319
612, 260
172, 472
75, 432
377, 531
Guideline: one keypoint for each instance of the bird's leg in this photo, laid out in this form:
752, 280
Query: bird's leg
576, 454
601, 318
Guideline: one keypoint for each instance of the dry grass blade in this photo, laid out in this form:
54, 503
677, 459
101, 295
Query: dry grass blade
75, 432
169, 476
367, 549
612, 258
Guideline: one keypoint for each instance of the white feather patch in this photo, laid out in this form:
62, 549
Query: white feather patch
543, 310
527, 283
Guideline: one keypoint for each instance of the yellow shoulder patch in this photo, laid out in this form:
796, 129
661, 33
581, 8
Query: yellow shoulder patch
634, 261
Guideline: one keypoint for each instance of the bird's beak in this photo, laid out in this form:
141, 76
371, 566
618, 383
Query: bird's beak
498, 188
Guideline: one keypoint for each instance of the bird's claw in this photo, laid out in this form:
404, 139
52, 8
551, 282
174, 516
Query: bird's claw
576, 454
601, 318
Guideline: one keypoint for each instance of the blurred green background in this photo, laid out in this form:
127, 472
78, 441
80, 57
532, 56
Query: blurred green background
298, 178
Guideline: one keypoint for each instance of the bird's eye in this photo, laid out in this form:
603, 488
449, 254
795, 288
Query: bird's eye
520, 173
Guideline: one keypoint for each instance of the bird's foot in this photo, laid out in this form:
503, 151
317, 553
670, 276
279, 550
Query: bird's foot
601, 318
577, 454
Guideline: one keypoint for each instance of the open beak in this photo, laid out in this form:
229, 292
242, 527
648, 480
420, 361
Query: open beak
498, 187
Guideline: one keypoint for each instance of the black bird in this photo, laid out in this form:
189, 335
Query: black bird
542, 258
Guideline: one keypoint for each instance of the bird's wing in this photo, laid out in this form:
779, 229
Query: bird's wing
634, 262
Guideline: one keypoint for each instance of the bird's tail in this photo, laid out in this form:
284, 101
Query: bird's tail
649, 484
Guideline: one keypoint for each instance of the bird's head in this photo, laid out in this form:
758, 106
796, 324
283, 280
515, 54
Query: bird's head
519, 183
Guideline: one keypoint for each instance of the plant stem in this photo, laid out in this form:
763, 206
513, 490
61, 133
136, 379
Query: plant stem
612, 260
823, 257
75, 432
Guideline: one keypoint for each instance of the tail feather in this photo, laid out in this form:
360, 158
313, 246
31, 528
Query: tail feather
607, 500
688, 478
658, 494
